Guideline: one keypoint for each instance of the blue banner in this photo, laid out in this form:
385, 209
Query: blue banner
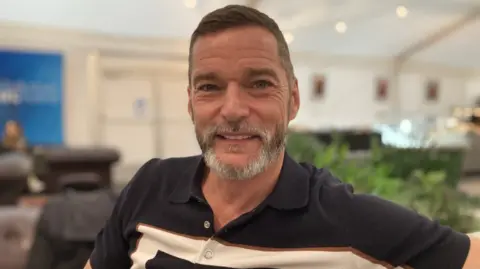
31, 86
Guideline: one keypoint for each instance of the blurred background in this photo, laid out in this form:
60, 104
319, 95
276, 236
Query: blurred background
91, 89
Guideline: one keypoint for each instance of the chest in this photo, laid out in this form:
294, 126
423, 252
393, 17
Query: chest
269, 240
158, 249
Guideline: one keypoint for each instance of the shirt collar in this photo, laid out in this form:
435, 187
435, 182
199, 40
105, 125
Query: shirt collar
189, 184
291, 191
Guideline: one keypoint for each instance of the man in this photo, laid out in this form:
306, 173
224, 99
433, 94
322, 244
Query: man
245, 203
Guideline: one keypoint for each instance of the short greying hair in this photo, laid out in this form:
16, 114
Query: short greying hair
233, 16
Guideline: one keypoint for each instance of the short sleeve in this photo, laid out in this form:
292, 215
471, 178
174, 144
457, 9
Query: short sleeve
111, 246
399, 236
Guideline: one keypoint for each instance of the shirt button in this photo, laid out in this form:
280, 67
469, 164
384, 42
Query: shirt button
206, 224
208, 254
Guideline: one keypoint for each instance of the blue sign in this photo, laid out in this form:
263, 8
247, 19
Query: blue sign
31, 86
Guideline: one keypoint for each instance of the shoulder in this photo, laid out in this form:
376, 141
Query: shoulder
359, 212
331, 191
156, 179
163, 171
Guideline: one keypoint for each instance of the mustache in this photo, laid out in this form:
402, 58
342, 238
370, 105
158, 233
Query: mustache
235, 128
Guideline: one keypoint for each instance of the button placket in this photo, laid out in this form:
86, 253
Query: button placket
208, 250
208, 254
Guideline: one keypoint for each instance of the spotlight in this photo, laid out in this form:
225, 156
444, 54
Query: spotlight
341, 27
402, 11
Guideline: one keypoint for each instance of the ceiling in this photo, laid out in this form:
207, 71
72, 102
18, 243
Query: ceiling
373, 28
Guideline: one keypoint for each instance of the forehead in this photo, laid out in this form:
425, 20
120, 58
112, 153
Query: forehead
237, 47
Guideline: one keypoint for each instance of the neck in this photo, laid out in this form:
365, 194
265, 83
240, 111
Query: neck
241, 196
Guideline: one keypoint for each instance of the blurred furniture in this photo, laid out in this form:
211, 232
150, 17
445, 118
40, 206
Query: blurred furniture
13, 180
471, 166
11, 189
356, 139
70, 221
433, 143
53, 163
32, 201
85, 181
17, 226
468, 118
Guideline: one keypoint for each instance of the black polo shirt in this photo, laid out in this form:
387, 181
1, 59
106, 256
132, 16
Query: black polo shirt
311, 220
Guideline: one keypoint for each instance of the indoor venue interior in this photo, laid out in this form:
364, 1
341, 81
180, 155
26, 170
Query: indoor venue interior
90, 90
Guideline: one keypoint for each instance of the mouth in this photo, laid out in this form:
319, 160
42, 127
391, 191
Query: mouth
239, 137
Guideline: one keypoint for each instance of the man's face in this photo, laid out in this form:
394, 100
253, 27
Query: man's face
240, 101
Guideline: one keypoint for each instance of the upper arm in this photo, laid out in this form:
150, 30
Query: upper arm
473, 259
430, 245
399, 236
111, 246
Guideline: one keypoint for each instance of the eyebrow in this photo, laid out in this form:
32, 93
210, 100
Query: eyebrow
250, 72
204, 77
257, 72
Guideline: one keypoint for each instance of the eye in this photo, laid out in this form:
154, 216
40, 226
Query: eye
207, 87
262, 84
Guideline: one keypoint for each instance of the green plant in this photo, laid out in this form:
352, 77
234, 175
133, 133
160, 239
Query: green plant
425, 192
406, 160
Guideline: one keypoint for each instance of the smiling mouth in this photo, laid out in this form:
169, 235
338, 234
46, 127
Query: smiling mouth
237, 137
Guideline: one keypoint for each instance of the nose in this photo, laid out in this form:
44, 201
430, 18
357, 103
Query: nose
234, 107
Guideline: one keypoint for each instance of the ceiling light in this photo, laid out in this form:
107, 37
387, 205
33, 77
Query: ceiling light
288, 37
190, 3
402, 11
341, 27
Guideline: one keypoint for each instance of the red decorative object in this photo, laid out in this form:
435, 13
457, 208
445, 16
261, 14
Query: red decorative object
432, 90
382, 89
319, 86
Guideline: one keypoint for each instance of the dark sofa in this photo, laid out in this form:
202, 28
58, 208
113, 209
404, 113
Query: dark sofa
17, 228
13, 180
53, 163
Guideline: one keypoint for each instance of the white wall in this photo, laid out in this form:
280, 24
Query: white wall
166, 130
412, 93
350, 101
472, 89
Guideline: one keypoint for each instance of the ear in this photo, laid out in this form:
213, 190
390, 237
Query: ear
190, 109
294, 100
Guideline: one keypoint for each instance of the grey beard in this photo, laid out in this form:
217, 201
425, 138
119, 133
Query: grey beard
273, 146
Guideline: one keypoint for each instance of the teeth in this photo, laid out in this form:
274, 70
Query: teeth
237, 137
